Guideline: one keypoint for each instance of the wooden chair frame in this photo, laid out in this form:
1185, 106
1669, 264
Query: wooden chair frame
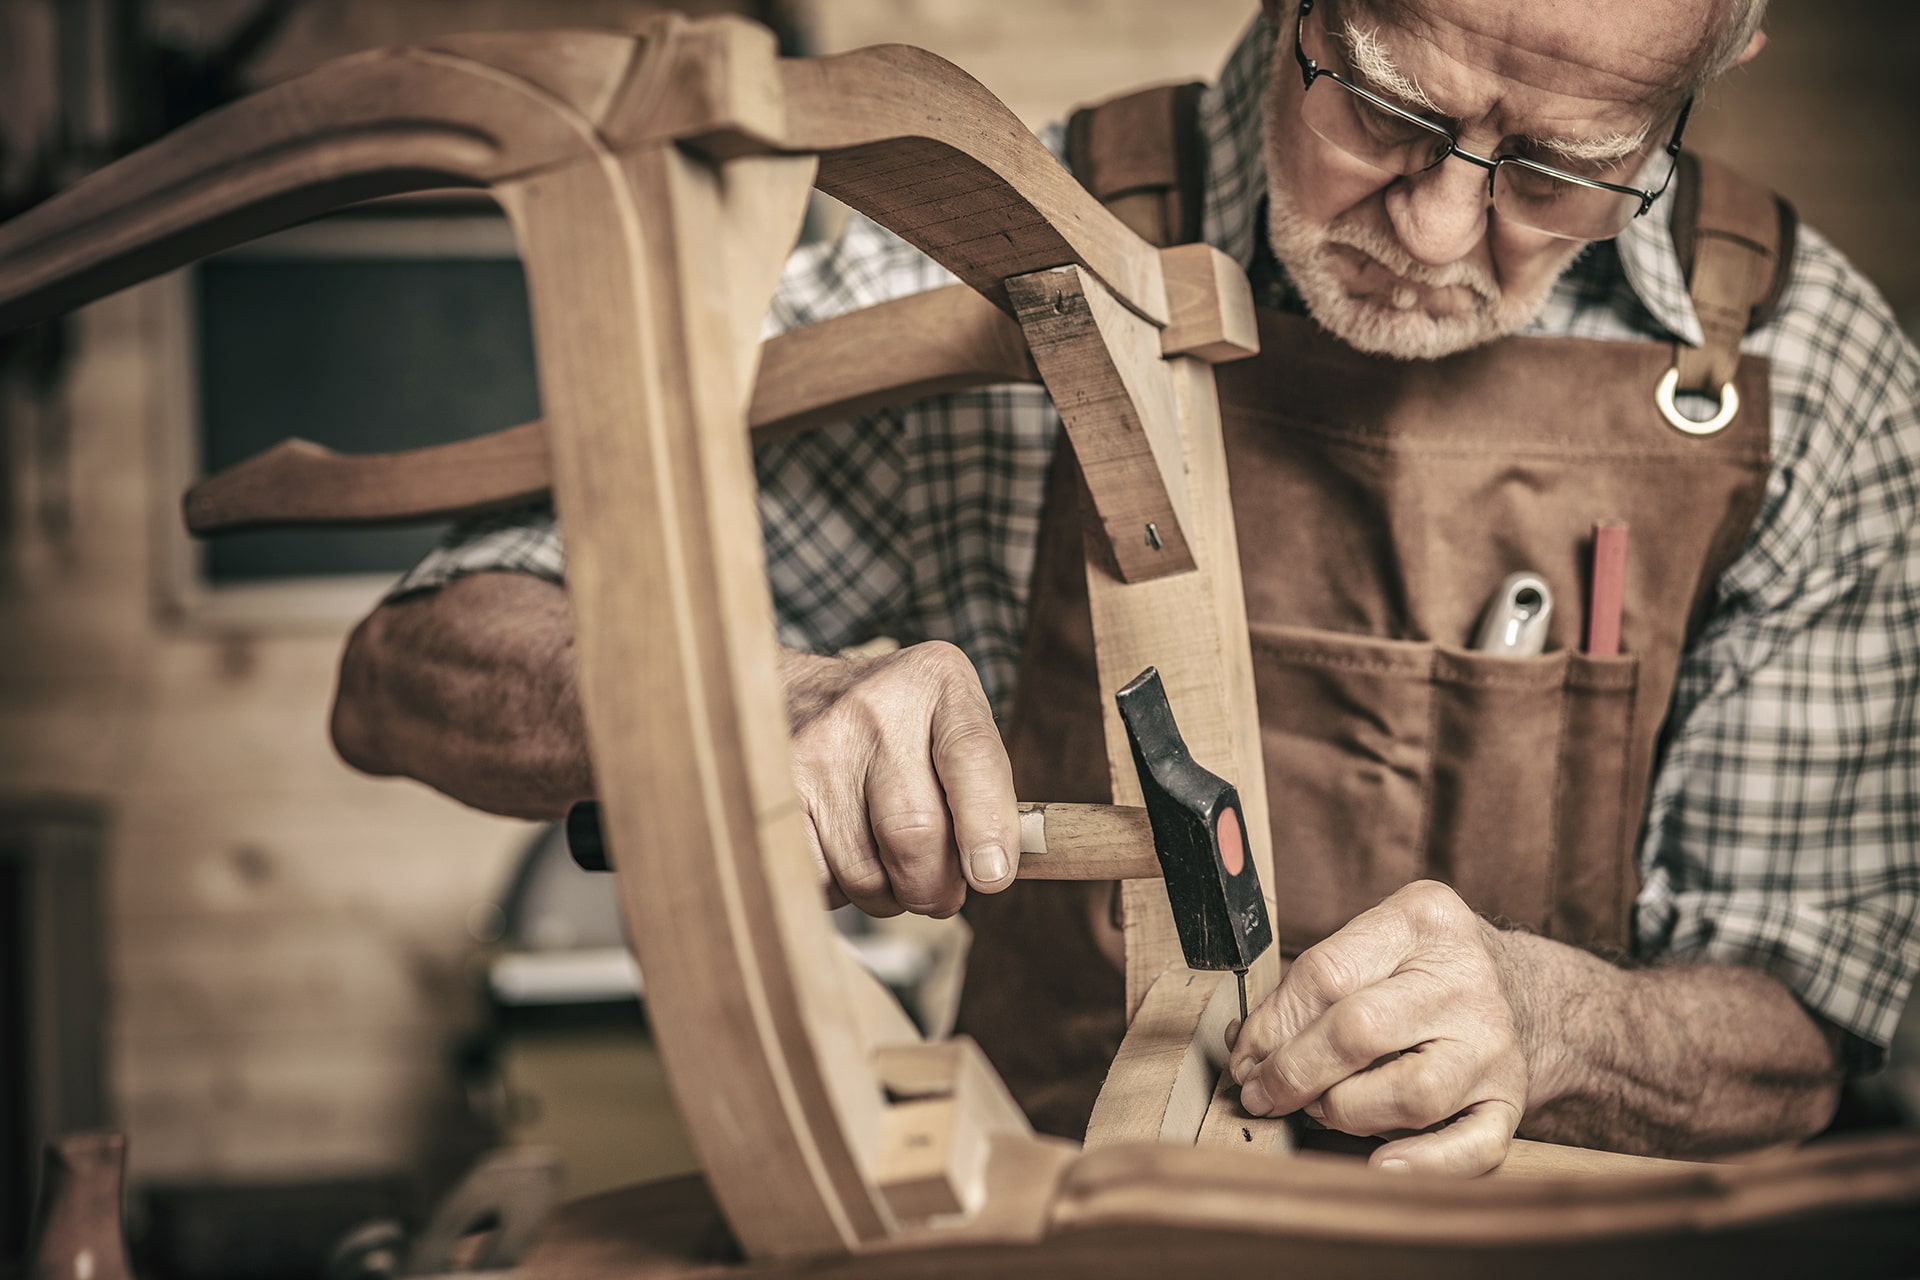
655, 184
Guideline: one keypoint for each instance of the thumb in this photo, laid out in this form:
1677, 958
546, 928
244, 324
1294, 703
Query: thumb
977, 777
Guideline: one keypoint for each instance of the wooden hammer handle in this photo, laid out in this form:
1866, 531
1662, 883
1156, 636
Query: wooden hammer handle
1057, 841
1086, 842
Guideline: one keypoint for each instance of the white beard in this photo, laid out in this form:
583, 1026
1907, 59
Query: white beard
1397, 325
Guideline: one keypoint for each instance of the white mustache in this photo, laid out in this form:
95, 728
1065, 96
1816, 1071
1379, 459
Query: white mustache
1385, 250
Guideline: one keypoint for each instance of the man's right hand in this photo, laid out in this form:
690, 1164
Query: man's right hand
908, 792
906, 785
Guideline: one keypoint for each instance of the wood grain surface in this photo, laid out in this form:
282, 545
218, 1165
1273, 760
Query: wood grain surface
1162, 1079
635, 317
1086, 842
1103, 367
918, 145
1846, 1210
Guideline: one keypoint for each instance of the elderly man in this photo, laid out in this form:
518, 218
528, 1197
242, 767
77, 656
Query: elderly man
1701, 857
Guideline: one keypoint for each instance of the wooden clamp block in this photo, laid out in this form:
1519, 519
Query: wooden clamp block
1210, 306
1103, 366
947, 1104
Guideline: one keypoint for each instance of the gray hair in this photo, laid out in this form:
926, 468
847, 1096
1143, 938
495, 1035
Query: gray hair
1742, 19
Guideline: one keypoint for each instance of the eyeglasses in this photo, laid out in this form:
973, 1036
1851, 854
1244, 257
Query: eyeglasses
1377, 133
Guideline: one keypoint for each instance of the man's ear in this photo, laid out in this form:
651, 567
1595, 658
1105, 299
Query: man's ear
1752, 51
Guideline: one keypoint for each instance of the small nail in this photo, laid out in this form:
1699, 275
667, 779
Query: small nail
1395, 1166
989, 863
1242, 1069
1253, 1096
1315, 1110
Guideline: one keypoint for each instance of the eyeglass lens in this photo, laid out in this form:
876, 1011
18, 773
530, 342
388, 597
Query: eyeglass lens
1522, 193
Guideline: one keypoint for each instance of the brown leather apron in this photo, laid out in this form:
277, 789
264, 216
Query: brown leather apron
1379, 505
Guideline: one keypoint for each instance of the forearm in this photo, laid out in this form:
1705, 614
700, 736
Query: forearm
1687, 1060
470, 689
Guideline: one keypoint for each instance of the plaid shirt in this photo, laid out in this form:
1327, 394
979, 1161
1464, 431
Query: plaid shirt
1784, 828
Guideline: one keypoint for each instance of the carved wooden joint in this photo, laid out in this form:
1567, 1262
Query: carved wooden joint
946, 1105
1210, 306
1102, 364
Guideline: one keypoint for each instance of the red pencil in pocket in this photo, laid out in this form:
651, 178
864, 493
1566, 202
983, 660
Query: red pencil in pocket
1605, 598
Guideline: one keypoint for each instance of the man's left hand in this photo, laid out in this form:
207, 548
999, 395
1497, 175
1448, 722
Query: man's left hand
1399, 1022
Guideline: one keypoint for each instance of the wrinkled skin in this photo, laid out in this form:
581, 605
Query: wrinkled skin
1398, 1022
907, 789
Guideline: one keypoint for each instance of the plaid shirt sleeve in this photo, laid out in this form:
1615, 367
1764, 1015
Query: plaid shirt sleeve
1784, 827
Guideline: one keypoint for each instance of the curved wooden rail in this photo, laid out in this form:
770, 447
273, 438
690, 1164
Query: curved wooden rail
371, 125
920, 146
298, 483
945, 340
480, 110
1840, 1211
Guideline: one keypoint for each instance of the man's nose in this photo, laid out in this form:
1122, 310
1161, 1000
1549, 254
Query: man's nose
1440, 215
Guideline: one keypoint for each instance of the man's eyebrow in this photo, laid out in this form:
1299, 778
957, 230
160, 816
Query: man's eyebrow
1368, 58
1603, 150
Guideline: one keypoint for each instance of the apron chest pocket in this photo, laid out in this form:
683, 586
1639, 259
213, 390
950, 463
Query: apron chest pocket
1390, 761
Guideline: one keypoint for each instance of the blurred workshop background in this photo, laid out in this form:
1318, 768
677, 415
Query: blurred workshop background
308, 997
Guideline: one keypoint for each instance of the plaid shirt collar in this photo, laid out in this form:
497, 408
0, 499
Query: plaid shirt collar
1235, 214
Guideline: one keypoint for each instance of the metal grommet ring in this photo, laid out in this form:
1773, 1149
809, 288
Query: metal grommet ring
1663, 396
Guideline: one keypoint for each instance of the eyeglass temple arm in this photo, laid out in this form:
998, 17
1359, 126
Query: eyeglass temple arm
1308, 67
1673, 151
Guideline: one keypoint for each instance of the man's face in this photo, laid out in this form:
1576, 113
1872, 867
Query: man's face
1422, 266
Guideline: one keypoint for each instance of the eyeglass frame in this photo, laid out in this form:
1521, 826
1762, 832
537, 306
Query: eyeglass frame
1311, 70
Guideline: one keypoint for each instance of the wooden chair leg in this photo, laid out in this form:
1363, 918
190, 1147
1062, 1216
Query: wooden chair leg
638, 322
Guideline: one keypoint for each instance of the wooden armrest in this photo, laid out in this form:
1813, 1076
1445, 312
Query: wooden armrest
928, 344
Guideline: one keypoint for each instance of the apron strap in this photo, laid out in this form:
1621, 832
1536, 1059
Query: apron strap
1142, 157
1735, 242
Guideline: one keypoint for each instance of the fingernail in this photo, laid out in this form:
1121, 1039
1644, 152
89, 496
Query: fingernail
1395, 1166
989, 863
1253, 1096
1315, 1110
1242, 1069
